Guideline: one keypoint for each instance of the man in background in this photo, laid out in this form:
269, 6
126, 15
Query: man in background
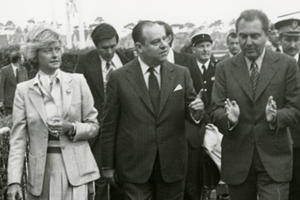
289, 30
232, 45
97, 66
10, 76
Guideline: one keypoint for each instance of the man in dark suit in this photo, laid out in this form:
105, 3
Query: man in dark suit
10, 76
194, 132
256, 98
143, 129
289, 30
96, 66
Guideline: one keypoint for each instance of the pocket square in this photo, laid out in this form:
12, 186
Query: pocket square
178, 87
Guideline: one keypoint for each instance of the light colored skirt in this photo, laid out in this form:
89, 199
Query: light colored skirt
56, 185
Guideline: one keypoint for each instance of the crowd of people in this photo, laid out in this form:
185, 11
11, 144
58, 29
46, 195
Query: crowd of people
135, 126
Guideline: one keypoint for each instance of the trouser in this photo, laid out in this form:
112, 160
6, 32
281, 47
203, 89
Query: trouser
259, 185
155, 188
295, 183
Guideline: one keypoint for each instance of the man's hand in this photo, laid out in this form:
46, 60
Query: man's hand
196, 107
109, 175
14, 192
271, 110
232, 111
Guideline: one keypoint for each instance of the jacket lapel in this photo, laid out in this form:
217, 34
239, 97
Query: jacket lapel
67, 91
11, 74
136, 79
36, 98
267, 71
96, 70
167, 78
241, 74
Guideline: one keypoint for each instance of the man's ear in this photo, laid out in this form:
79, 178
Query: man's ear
138, 47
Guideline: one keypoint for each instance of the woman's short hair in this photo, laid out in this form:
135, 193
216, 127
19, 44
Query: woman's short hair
39, 37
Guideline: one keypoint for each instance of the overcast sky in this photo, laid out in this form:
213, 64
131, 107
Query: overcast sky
121, 12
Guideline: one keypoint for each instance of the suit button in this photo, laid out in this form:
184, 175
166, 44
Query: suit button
204, 82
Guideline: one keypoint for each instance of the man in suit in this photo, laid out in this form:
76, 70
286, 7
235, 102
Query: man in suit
289, 30
233, 45
11, 75
274, 39
256, 98
96, 66
143, 134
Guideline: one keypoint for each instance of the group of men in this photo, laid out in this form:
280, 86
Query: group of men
154, 110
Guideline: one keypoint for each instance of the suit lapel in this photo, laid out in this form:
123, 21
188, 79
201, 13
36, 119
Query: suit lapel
96, 70
197, 77
167, 78
267, 71
67, 92
11, 74
241, 74
136, 79
36, 98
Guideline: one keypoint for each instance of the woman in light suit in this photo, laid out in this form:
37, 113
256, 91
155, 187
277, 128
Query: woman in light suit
53, 116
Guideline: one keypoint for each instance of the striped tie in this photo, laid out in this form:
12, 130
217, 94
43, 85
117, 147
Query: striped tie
254, 75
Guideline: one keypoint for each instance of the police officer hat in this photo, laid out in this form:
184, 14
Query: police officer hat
288, 27
199, 37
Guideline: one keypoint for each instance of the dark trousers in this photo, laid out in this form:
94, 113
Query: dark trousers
103, 192
194, 178
154, 189
259, 185
295, 183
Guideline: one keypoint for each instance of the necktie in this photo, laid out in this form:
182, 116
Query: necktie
254, 75
204, 71
17, 75
154, 90
109, 69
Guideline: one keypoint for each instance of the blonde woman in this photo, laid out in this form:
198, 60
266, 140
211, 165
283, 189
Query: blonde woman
54, 115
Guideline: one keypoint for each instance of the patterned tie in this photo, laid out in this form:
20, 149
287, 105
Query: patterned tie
154, 90
254, 75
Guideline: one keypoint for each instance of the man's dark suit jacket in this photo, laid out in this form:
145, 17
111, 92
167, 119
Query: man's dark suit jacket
277, 78
90, 66
295, 129
8, 84
132, 135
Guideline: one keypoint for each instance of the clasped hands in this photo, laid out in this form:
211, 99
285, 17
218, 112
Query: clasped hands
58, 126
232, 110
196, 107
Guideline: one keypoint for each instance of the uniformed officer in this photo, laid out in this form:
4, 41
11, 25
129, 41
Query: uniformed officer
289, 30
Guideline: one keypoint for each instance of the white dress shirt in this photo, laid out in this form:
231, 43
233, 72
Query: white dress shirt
170, 56
14, 69
206, 64
115, 64
297, 57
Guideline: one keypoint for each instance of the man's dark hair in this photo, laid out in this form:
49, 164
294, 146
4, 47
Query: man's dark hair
14, 54
231, 35
102, 32
168, 28
251, 15
137, 31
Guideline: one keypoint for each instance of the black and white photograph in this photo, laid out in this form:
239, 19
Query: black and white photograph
149, 100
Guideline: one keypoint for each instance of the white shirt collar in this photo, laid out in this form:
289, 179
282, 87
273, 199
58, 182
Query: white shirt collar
297, 57
206, 64
14, 68
170, 56
145, 67
116, 61
258, 61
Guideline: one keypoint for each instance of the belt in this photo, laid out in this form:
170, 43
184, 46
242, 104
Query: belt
51, 137
53, 150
